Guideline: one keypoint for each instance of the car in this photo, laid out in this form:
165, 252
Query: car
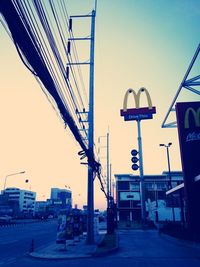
5, 218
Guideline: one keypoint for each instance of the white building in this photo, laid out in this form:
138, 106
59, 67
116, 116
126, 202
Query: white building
159, 206
24, 198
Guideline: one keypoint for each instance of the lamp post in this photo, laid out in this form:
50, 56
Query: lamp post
170, 177
108, 167
11, 175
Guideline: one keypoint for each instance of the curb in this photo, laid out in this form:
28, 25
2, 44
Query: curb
109, 251
105, 253
56, 257
71, 255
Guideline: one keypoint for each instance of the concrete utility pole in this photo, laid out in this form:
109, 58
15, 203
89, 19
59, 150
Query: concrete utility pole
108, 175
90, 193
90, 196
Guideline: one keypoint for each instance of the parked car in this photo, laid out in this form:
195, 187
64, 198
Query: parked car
5, 219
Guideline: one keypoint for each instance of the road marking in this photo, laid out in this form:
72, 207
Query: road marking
11, 260
8, 242
7, 261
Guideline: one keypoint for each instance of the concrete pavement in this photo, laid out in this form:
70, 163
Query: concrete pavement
77, 248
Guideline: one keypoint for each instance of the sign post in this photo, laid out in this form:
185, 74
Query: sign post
138, 114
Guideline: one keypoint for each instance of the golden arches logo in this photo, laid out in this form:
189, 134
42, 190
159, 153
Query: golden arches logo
137, 98
196, 116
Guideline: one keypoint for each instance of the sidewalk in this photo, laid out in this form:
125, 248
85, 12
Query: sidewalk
77, 248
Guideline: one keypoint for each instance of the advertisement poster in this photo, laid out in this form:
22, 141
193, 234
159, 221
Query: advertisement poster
61, 230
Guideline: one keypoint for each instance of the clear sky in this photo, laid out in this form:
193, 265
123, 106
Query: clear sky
138, 43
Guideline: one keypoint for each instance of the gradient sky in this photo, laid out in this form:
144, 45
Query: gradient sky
138, 43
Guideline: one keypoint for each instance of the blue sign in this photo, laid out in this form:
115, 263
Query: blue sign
131, 117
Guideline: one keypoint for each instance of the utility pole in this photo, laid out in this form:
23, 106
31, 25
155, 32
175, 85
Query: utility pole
90, 196
108, 176
108, 184
110, 181
90, 120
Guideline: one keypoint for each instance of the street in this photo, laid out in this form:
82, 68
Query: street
136, 248
15, 241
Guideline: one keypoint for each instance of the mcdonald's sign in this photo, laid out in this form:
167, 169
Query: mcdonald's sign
188, 123
196, 117
137, 113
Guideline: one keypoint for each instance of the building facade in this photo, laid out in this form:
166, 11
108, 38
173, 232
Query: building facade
159, 207
21, 201
61, 199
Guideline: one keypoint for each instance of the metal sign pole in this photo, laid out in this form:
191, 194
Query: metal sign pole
142, 189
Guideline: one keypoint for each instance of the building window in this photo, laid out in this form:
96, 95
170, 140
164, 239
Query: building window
124, 185
134, 186
124, 204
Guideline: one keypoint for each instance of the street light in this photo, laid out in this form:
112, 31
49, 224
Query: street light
168, 161
11, 175
170, 177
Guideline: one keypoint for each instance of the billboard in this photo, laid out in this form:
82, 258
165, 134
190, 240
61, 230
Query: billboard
188, 123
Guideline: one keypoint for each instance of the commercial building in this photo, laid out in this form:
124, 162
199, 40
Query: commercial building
159, 207
5, 206
21, 201
60, 199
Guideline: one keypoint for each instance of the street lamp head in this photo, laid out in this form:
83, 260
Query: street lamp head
169, 144
162, 145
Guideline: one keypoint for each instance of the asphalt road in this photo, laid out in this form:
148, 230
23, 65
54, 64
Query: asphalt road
15, 241
136, 249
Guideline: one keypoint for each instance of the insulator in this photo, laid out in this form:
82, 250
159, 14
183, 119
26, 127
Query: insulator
70, 24
67, 72
69, 47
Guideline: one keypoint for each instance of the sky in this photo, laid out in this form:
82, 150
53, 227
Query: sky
138, 44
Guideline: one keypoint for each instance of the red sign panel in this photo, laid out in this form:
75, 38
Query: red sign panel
137, 111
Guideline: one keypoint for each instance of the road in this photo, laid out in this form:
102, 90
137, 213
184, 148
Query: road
15, 241
137, 248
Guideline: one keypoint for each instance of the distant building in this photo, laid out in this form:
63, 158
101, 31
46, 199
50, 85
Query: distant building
41, 208
159, 207
21, 201
60, 199
5, 207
